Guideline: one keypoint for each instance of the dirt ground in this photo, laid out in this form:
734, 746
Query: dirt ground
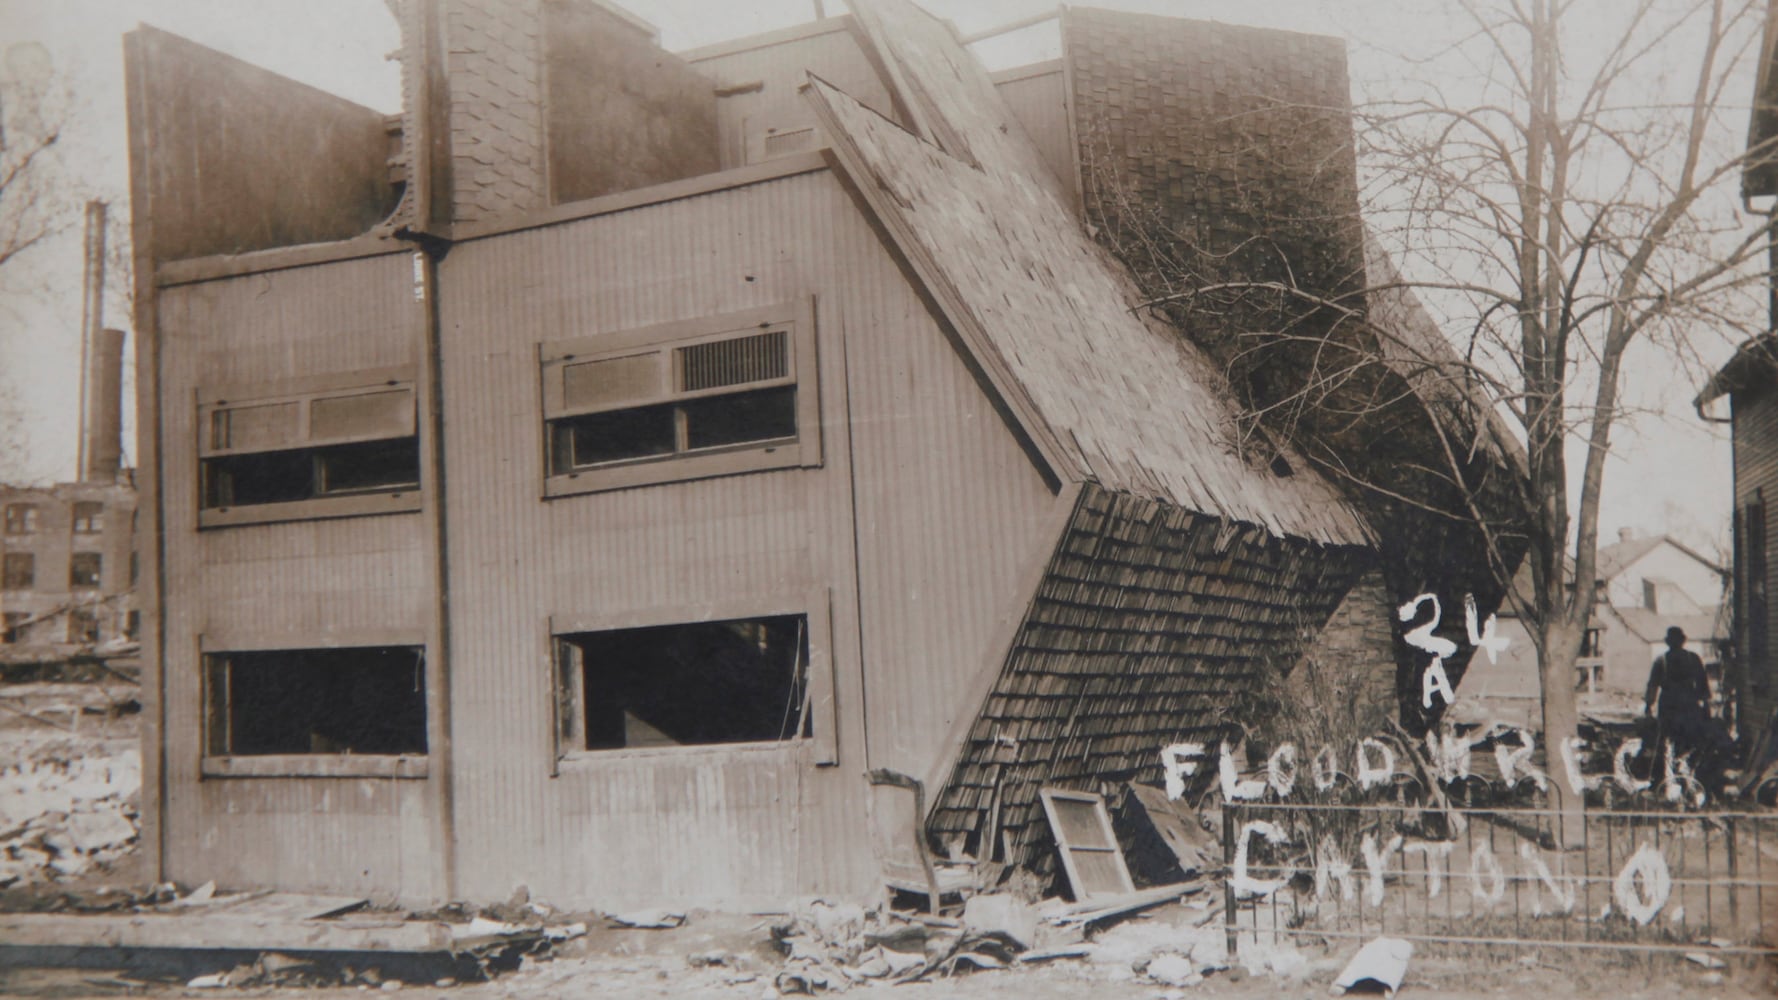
87, 753
626, 963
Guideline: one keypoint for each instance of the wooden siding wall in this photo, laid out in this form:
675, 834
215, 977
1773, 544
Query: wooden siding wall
1756, 477
952, 518
620, 113
691, 825
244, 159
833, 55
1038, 97
1149, 626
297, 581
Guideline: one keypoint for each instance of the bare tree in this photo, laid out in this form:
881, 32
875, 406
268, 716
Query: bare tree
1569, 204
33, 106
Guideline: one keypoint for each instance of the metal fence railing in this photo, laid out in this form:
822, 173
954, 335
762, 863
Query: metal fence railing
1676, 881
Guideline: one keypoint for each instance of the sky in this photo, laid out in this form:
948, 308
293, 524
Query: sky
1670, 470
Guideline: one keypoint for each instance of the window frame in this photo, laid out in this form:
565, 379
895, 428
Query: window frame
567, 687
212, 646
796, 318
304, 392
21, 518
87, 517
29, 560
98, 561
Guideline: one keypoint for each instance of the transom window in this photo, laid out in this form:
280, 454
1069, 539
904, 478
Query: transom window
333, 447
735, 393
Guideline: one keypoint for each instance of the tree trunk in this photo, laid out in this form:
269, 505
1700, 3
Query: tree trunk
1561, 721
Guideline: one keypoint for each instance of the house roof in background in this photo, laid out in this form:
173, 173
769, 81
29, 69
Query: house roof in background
1651, 626
1754, 365
1619, 556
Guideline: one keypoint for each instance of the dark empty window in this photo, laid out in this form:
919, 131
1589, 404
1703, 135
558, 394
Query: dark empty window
132, 625
15, 626
739, 681
731, 394
20, 571
89, 517
299, 448
84, 569
21, 518
360, 700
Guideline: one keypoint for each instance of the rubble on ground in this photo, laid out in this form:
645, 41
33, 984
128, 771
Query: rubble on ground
66, 806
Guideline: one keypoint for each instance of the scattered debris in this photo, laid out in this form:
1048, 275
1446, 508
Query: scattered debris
1174, 970
1166, 841
67, 805
1382, 961
652, 919
1706, 959
1004, 915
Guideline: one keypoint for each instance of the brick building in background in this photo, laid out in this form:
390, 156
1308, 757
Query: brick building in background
68, 563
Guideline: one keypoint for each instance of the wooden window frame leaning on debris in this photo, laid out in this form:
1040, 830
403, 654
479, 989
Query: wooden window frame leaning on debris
219, 762
297, 430
815, 745
638, 381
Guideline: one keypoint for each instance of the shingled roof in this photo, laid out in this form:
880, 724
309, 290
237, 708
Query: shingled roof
1106, 395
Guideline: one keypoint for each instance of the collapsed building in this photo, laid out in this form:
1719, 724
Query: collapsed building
583, 479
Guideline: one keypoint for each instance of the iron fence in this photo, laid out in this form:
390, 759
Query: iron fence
1646, 880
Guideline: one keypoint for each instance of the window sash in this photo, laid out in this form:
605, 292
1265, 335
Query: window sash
556, 404
802, 448
294, 429
21, 518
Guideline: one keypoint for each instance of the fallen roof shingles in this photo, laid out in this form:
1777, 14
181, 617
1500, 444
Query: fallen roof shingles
1135, 407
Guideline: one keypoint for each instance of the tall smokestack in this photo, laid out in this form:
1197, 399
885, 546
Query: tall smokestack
101, 364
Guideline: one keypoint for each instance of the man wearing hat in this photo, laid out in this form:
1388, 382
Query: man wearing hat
1677, 680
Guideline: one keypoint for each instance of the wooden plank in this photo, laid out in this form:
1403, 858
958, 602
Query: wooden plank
225, 930
291, 906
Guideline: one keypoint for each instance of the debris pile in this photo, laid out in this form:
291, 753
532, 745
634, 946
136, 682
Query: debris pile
65, 807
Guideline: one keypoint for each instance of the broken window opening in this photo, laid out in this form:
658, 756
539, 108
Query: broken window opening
89, 517
738, 681
85, 570
360, 700
16, 622
20, 571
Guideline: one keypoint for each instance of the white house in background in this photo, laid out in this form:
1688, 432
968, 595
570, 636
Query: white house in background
1643, 586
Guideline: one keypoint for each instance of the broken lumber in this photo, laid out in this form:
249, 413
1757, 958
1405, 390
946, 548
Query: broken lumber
221, 931
1100, 908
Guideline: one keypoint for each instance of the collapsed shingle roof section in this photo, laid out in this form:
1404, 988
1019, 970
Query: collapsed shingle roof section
1108, 395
